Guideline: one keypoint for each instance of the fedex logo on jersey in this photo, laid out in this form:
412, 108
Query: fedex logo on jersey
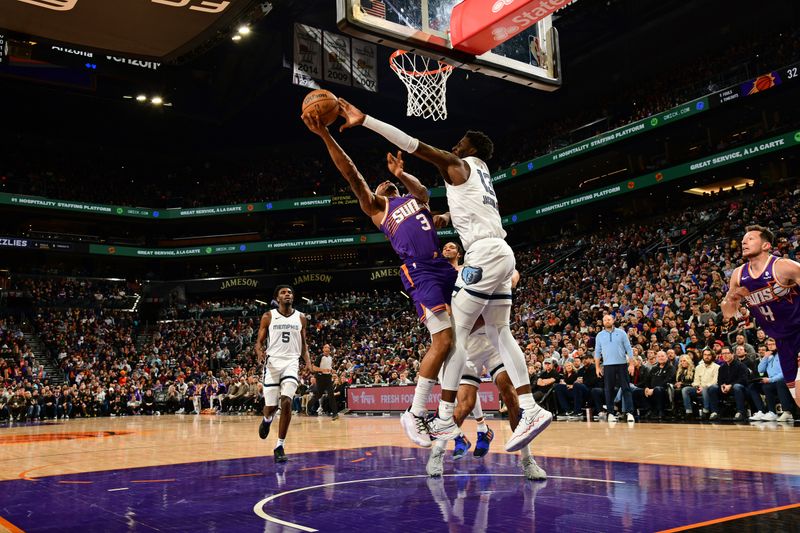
406, 210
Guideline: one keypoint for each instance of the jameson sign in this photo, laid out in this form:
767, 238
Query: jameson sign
648, 180
682, 111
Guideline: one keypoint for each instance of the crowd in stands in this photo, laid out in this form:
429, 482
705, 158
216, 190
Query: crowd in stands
74, 292
160, 181
660, 277
205, 308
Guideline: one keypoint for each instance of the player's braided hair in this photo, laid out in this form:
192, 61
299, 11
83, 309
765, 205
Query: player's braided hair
484, 147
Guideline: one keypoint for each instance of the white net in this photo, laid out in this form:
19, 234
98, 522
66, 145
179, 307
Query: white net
426, 82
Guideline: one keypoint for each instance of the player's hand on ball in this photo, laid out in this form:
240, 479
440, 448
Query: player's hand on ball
395, 164
352, 115
313, 123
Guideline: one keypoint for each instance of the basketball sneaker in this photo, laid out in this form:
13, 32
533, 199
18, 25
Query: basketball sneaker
440, 429
462, 447
531, 423
483, 442
786, 416
263, 428
416, 429
280, 455
435, 466
532, 470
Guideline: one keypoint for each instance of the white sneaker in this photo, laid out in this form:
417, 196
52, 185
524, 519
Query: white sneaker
786, 416
631, 417
532, 422
416, 429
611, 418
602, 416
758, 417
435, 466
532, 470
770, 417
440, 429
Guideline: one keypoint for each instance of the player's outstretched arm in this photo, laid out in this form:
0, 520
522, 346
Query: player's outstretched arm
370, 203
411, 183
730, 304
452, 168
263, 328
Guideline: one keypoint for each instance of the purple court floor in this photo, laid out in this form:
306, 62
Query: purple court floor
385, 489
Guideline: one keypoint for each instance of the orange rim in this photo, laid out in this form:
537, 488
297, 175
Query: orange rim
444, 67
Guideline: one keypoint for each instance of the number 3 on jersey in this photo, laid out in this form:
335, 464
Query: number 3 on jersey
423, 220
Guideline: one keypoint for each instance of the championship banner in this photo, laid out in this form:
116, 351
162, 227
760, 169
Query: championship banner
365, 65
398, 398
307, 56
337, 58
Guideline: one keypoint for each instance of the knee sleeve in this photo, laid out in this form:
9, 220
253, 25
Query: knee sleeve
453, 366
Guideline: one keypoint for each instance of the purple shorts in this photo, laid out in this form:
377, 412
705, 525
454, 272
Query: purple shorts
430, 284
788, 350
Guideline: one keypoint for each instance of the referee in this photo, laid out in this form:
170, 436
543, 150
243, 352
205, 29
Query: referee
325, 381
612, 355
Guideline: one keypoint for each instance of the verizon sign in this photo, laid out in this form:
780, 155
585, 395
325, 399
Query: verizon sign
398, 398
477, 26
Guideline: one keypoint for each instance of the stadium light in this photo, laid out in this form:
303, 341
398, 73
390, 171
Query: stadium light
141, 98
244, 30
236, 38
157, 100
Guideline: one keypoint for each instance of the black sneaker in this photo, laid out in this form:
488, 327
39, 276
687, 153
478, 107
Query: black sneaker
280, 455
263, 429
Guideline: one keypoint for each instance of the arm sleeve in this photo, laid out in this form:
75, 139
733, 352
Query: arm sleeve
394, 135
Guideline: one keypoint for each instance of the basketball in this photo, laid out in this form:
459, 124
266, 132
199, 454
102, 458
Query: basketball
324, 103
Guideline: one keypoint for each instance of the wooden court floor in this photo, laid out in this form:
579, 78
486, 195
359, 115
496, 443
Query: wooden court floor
143, 453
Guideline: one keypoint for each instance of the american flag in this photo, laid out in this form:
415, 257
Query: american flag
376, 8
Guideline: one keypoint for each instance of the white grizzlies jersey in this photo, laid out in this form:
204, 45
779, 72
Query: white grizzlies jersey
284, 339
473, 205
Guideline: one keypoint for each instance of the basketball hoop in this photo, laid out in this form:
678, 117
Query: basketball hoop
426, 82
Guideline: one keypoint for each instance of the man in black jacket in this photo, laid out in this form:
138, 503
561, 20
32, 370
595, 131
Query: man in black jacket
656, 385
732, 379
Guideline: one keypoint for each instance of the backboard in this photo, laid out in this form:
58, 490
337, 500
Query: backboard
422, 26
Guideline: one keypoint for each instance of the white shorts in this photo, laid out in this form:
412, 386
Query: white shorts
486, 276
280, 375
480, 354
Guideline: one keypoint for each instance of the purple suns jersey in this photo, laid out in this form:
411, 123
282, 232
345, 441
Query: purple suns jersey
409, 226
775, 307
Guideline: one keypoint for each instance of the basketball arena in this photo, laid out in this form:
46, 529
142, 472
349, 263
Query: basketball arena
399, 265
